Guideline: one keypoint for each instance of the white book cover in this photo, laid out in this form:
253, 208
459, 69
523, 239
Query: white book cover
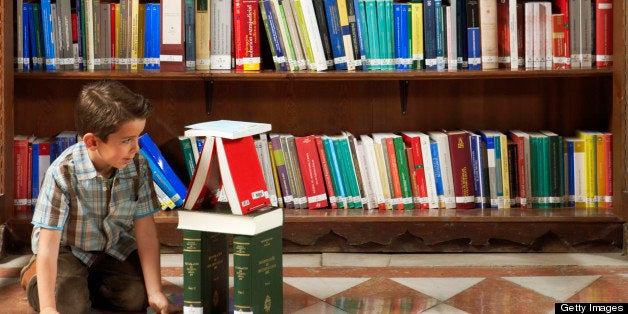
512, 31
230, 129
320, 63
442, 141
221, 29
368, 149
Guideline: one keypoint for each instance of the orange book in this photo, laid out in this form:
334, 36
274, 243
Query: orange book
604, 169
603, 33
311, 172
559, 54
413, 141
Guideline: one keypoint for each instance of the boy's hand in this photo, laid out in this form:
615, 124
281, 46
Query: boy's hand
160, 304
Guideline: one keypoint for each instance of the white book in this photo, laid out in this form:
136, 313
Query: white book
529, 35
320, 63
452, 37
547, 39
220, 29
261, 144
223, 221
384, 171
230, 129
444, 156
375, 181
513, 34
369, 194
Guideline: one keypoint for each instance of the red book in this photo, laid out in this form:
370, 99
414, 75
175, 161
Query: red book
559, 54
522, 141
202, 191
21, 179
503, 34
172, 52
114, 56
242, 176
413, 141
562, 7
461, 168
326, 174
603, 33
311, 172
246, 38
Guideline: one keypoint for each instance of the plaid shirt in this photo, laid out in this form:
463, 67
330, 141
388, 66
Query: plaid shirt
93, 217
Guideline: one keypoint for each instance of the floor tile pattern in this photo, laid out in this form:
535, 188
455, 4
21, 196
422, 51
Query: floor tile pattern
412, 283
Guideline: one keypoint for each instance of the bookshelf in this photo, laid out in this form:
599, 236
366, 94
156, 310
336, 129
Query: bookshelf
305, 103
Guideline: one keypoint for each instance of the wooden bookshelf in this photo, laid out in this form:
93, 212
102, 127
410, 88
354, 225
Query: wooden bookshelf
303, 103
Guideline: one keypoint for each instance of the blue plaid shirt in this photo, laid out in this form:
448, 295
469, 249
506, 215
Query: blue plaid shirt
94, 215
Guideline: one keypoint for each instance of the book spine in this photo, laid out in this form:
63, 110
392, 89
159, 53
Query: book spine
221, 24
473, 35
333, 160
293, 29
335, 34
480, 167
49, 49
461, 168
503, 34
278, 195
603, 33
172, 54
257, 267
190, 35
404, 176
438, 178
558, 42
202, 35
418, 59
192, 272
160, 178
488, 33
326, 173
353, 30
321, 21
154, 154
311, 173
270, 23
282, 172
215, 272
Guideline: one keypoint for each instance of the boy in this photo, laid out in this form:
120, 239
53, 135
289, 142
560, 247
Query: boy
94, 237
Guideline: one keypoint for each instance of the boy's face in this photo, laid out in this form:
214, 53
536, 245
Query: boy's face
119, 149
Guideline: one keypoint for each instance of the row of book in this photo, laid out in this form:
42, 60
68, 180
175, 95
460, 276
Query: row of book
313, 34
439, 169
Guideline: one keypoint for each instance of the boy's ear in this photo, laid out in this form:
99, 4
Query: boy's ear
90, 140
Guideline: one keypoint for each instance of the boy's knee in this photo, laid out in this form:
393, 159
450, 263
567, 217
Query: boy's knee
130, 297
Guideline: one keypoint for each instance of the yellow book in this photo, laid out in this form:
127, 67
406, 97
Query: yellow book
118, 42
135, 33
590, 177
417, 35
297, 12
202, 34
579, 173
383, 174
503, 143
604, 169
275, 176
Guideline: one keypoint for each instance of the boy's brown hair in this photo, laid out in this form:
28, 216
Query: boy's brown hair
103, 106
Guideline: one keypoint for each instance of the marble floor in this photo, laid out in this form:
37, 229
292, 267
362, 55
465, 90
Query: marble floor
413, 283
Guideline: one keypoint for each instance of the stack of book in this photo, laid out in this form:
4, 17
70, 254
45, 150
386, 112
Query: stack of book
228, 164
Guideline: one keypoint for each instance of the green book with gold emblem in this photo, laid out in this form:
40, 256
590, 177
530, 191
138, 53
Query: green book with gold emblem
257, 268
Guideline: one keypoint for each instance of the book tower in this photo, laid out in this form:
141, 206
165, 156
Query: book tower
228, 167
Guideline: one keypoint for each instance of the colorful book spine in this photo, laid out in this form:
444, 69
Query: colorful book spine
462, 169
473, 35
153, 152
429, 31
329, 185
282, 171
402, 49
416, 21
603, 33
335, 34
270, 24
162, 180
480, 171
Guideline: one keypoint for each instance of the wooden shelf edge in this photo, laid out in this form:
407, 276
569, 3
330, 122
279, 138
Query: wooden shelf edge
270, 75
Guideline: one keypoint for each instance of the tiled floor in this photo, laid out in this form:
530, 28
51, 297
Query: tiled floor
414, 283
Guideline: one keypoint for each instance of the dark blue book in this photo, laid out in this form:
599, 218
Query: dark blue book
438, 177
473, 35
480, 171
461, 30
429, 34
439, 14
149, 146
335, 34
402, 51
270, 24
80, 22
26, 34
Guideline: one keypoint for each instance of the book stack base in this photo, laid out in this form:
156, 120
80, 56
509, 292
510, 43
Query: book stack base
257, 261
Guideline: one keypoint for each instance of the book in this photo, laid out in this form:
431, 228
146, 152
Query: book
289, 151
205, 272
40, 163
413, 141
220, 34
263, 153
188, 154
172, 51
282, 171
221, 220
205, 180
162, 180
311, 172
190, 34
603, 33
480, 171
155, 155
488, 33
461, 168
444, 158
372, 170
257, 272
246, 35
473, 34
201, 35
21, 169
270, 21
522, 140
329, 185
242, 176
228, 129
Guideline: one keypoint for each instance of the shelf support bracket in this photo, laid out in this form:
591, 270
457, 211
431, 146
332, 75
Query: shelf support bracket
403, 95
209, 95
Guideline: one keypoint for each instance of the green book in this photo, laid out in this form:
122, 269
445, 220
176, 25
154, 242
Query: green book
215, 272
257, 268
205, 272
188, 154
192, 293
404, 175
